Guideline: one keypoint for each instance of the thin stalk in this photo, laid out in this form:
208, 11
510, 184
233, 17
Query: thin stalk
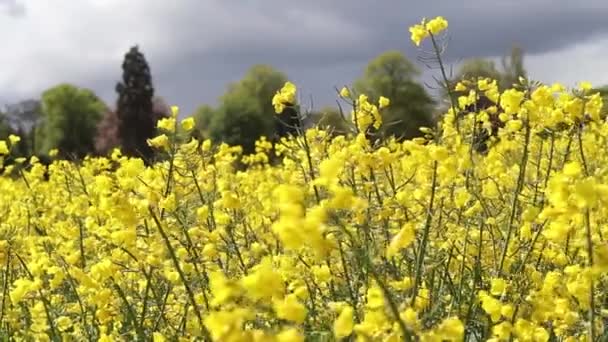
181, 274
520, 184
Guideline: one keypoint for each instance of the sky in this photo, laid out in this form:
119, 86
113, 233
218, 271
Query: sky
195, 48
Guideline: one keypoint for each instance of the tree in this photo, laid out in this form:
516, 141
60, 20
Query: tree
203, 116
246, 111
478, 67
261, 82
23, 117
70, 116
392, 75
513, 67
603, 90
108, 137
5, 127
331, 118
512, 70
25, 114
136, 121
239, 121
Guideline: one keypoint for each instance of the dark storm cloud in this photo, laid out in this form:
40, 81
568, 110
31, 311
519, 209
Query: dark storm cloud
477, 28
362, 30
196, 47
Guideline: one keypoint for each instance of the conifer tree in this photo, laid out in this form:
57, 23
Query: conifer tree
135, 106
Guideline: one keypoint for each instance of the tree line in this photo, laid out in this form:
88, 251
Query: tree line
77, 123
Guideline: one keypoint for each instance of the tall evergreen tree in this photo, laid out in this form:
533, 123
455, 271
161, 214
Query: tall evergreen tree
135, 106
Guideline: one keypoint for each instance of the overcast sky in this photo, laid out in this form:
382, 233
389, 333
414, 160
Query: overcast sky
196, 47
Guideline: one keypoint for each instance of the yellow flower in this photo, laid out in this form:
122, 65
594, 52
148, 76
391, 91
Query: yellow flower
322, 273
507, 311
511, 100
366, 115
402, 240
437, 25
264, 282
572, 169
451, 329
3, 147
460, 87
290, 309
498, 286
419, 32
375, 297
63, 323
344, 324
585, 85
491, 306
221, 288
222, 324
514, 125
502, 330
209, 250
188, 124
383, 102
462, 196
174, 111
290, 335
286, 96
344, 92
490, 190
330, 169
53, 152
439, 153
161, 141
158, 337
14, 139
483, 84
167, 124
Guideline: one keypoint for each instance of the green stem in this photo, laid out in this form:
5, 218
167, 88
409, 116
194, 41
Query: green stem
425, 234
520, 184
181, 274
589, 237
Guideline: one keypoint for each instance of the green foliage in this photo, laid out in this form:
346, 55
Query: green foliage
392, 75
331, 118
603, 90
261, 82
512, 69
203, 116
5, 128
245, 111
70, 116
22, 118
239, 121
478, 67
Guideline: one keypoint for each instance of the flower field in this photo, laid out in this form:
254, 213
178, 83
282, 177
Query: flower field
324, 238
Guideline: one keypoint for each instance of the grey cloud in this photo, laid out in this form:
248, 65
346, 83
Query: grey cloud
204, 45
12, 8
477, 28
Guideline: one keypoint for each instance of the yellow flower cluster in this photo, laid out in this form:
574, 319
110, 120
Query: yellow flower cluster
285, 97
366, 114
421, 31
341, 238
